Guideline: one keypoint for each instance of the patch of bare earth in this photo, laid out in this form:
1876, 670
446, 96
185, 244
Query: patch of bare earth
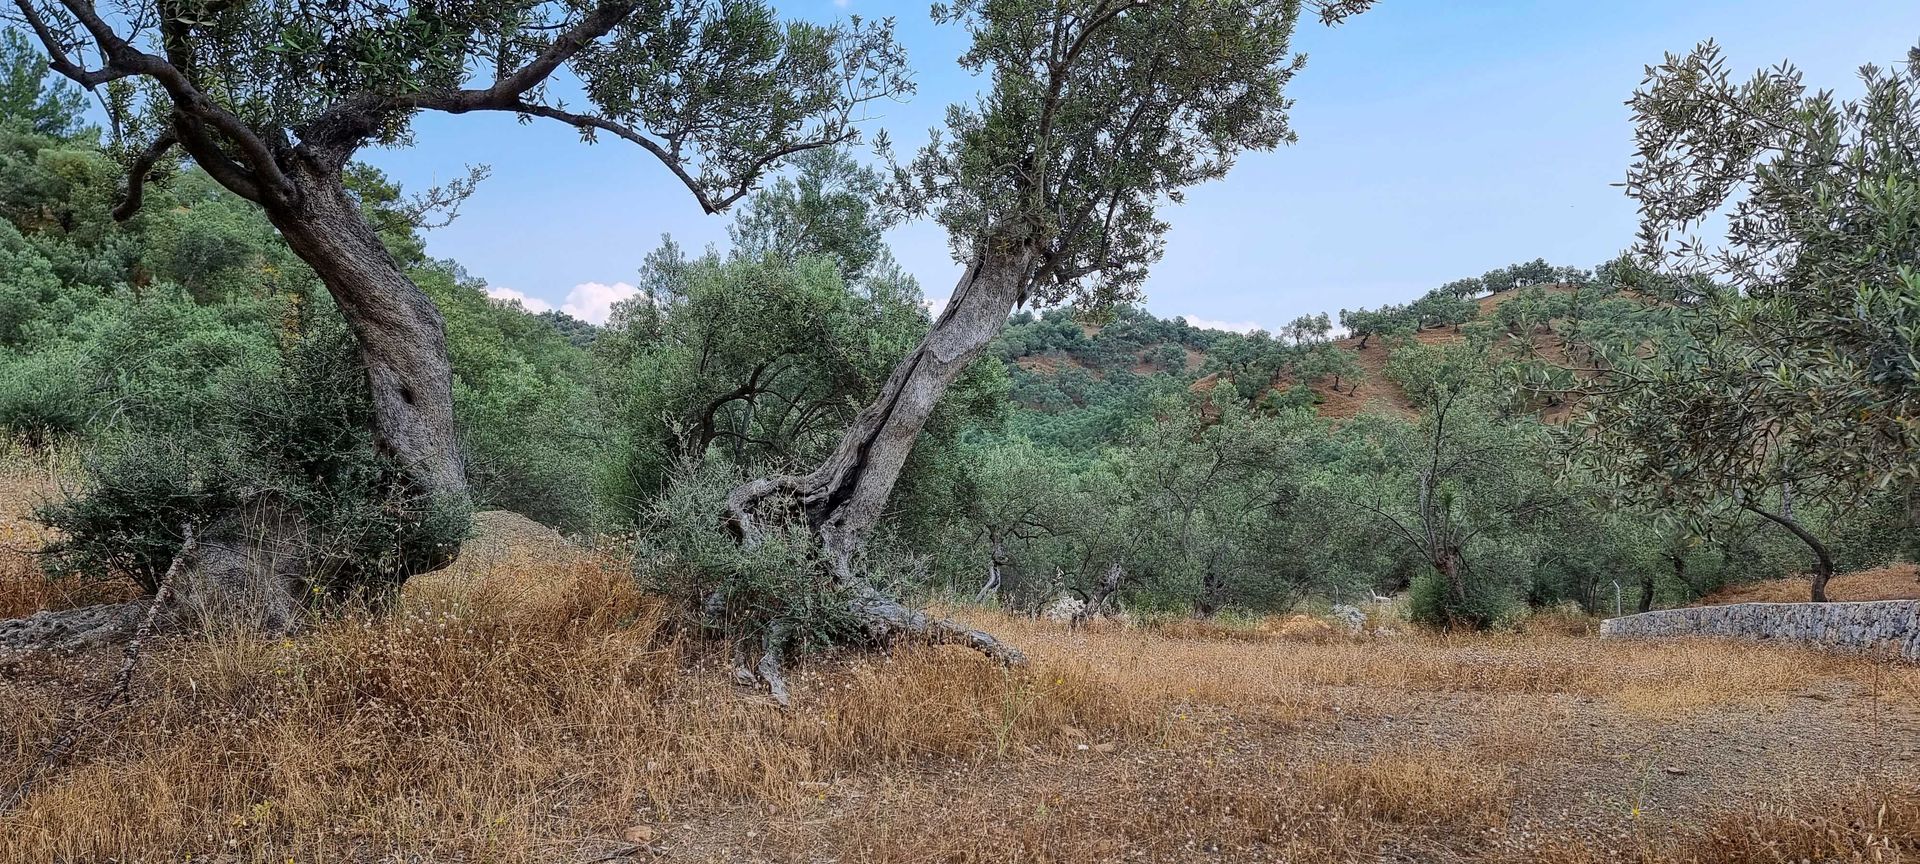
1428, 748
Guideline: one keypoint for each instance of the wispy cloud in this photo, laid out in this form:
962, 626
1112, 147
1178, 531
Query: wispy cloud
588, 301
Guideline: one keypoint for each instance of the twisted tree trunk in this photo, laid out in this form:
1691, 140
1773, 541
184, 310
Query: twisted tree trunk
249, 571
1103, 591
1822, 558
252, 566
400, 333
1212, 588
843, 498
996, 566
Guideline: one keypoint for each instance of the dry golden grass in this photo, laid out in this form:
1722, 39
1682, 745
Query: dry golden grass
544, 710
27, 480
1196, 661
1894, 582
490, 731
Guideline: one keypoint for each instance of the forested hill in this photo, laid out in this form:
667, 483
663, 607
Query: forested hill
1073, 375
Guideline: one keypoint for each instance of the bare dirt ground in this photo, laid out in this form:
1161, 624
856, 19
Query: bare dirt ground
1521, 748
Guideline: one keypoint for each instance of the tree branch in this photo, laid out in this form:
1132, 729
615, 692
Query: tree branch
124, 60
57, 59
708, 203
137, 176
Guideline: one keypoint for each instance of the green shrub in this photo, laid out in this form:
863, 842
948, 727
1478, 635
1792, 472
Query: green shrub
45, 395
773, 591
291, 437
1486, 604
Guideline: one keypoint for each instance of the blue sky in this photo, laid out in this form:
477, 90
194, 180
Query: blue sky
1438, 139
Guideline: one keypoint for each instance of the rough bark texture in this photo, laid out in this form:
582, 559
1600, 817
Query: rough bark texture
1103, 591
401, 335
1212, 588
251, 574
996, 566
248, 572
72, 629
844, 497
1449, 567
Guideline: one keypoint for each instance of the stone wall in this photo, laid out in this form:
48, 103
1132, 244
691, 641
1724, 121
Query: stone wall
1889, 625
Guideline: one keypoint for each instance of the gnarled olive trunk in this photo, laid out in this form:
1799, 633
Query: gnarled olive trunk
251, 570
246, 572
1213, 588
844, 497
997, 564
401, 336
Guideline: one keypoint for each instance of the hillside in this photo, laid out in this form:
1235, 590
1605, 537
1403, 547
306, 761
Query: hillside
1060, 364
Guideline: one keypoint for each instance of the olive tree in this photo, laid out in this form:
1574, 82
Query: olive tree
1795, 378
273, 100
1463, 481
1049, 186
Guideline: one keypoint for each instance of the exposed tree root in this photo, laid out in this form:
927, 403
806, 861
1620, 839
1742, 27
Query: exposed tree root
882, 619
772, 658
72, 629
887, 620
248, 571
122, 680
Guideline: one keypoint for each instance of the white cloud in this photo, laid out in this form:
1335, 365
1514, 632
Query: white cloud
591, 301
506, 295
1229, 326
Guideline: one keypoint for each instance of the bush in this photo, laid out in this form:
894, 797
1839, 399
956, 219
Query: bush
1486, 604
288, 438
775, 592
44, 396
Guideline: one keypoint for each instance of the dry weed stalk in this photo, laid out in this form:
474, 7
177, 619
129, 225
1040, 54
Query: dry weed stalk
122, 679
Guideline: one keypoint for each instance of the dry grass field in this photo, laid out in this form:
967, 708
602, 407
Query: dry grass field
1894, 582
546, 712
532, 706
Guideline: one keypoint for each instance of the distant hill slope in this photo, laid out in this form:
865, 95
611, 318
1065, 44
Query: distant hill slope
1060, 365
1379, 393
